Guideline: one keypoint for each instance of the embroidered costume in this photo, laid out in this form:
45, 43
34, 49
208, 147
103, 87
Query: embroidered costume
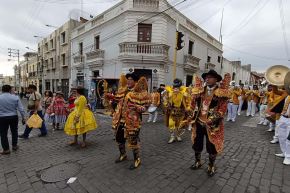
177, 104
155, 102
132, 102
253, 99
233, 104
210, 105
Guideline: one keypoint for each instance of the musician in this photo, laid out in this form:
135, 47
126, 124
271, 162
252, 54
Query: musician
133, 99
274, 108
155, 102
177, 104
241, 98
209, 105
264, 97
233, 103
253, 99
283, 127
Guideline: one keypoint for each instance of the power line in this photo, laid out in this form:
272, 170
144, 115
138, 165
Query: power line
247, 19
283, 28
254, 55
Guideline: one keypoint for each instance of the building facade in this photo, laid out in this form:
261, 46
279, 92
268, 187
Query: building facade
136, 35
240, 73
54, 59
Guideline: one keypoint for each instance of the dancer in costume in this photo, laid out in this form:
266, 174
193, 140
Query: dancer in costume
155, 102
233, 103
210, 105
264, 97
253, 99
241, 98
133, 99
81, 120
177, 104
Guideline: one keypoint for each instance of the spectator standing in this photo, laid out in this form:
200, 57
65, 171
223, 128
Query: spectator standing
9, 104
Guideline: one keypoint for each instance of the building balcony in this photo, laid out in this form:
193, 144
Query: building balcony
191, 63
79, 59
95, 58
145, 52
149, 4
209, 66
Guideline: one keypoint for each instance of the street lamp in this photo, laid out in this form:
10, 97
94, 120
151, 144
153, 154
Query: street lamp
38, 36
28, 48
47, 25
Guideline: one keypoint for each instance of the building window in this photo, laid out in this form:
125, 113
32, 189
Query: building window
63, 37
219, 59
63, 59
144, 32
97, 42
51, 62
51, 44
208, 58
190, 47
46, 46
81, 48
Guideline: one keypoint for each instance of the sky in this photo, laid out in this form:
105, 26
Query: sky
256, 32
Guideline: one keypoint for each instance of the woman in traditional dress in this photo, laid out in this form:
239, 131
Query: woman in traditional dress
58, 110
81, 120
46, 102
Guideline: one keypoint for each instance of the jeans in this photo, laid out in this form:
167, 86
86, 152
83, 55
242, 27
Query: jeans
93, 105
43, 129
5, 123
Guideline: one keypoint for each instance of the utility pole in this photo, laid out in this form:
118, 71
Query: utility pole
13, 53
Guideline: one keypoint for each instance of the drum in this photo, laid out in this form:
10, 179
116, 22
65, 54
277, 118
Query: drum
152, 109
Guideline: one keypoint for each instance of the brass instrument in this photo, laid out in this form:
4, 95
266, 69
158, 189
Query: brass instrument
277, 75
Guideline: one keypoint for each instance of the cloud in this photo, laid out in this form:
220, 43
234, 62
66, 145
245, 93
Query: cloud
251, 28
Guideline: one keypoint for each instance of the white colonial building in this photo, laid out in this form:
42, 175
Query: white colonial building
136, 35
240, 73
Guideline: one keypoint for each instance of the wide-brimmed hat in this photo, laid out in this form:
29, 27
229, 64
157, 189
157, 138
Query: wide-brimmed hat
177, 83
133, 75
212, 73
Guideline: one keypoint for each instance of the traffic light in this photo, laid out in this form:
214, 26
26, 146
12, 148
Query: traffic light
179, 44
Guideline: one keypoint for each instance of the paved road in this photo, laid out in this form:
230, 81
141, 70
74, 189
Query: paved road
248, 163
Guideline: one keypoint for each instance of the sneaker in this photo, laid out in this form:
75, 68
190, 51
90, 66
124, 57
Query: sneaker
286, 162
148, 121
179, 139
171, 140
280, 155
265, 123
228, 120
274, 141
239, 113
233, 120
260, 123
22, 137
270, 130
7, 152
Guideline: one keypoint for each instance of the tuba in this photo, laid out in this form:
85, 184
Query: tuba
277, 75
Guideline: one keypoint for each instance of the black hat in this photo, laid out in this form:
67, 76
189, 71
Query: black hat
177, 83
212, 73
133, 75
